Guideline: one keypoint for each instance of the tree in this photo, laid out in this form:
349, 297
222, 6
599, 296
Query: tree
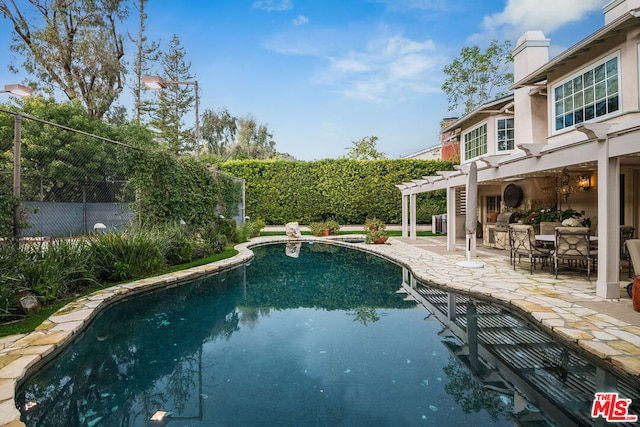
365, 149
73, 45
145, 53
59, 165
476, 77
174, 101
254, 140
218, 130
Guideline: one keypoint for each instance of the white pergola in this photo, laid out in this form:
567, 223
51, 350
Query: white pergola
604, 147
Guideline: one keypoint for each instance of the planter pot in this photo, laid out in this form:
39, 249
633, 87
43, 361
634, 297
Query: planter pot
493, 216
635, 294
325, 232
381, 240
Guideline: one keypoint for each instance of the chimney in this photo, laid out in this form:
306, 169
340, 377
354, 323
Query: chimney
531, 52
616, 8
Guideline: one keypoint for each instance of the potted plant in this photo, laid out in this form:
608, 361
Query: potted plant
324, 228
375, 231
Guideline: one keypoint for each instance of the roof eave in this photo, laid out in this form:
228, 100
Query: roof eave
540, 74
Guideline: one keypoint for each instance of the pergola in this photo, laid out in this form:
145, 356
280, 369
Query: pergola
604, 148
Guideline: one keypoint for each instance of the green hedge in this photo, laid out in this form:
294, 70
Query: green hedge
170, 189
348, 191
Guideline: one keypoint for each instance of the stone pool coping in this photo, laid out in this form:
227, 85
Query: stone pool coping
556, 305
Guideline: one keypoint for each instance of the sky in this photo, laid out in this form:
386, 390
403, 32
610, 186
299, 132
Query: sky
324, 73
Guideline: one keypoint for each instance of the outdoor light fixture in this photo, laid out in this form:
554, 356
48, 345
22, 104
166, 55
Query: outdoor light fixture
154, 82
20, 90
157, 82
584, 182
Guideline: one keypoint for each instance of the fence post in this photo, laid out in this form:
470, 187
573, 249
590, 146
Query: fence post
16, 176
244, 203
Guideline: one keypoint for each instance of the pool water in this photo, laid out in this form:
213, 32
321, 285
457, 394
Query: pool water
314, 334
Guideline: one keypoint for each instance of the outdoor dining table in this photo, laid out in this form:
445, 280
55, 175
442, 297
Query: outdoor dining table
552, 238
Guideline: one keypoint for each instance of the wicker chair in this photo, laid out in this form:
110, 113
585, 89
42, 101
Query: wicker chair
523, 243
572, 244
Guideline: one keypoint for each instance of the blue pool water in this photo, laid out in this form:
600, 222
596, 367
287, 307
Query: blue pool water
315, 335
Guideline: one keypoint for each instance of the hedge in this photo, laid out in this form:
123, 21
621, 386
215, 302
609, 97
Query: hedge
348, 191
171, 188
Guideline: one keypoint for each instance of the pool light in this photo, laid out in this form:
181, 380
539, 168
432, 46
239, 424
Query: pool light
29, 405
158, 416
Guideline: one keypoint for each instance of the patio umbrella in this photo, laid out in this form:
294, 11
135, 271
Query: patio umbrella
471, 222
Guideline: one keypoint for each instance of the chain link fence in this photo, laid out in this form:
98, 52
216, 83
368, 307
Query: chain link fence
56, 181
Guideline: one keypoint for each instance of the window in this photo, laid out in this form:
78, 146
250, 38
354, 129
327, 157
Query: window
589, 95
493, 203
505, 134
475, 142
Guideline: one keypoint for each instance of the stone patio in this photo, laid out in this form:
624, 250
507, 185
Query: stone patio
567, 307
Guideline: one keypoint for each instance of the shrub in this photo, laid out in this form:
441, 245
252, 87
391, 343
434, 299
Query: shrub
11, 262
256, 226
180, 244
122, 256
212, 237
57, 269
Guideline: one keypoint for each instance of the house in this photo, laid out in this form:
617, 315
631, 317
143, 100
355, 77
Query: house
431, 153
568, 136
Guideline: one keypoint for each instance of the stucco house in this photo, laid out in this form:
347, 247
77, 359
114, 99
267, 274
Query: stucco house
568, 137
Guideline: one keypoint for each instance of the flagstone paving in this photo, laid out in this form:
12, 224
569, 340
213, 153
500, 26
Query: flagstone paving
568, 307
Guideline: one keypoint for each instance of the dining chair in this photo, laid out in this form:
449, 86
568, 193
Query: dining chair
626, 233
572, 245
523, 243
549, 227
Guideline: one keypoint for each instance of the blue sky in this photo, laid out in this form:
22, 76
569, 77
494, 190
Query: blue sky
323, 73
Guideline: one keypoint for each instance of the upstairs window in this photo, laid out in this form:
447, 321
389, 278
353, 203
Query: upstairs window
592, 94
475, 142
505, 134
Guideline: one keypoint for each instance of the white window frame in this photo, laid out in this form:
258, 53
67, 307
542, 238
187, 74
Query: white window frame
590, 68
508, 150
486, 142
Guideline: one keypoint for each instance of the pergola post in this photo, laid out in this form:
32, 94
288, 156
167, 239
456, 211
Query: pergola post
607, 285
413, 220
405, 216
451, 219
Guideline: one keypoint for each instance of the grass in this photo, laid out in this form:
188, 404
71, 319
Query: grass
33, 320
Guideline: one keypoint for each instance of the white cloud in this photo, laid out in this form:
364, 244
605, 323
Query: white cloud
300, 20
389, 69
545, 15
385, 69
273, 6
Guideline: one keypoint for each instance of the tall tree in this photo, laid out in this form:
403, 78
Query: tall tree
146, 53
476, 77
365, 149
254, 140
174, 101
218, 130
73, 45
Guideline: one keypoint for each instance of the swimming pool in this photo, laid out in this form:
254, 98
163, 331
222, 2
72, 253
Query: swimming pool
294, 338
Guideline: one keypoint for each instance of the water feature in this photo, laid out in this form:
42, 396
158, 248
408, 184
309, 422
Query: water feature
313, 335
